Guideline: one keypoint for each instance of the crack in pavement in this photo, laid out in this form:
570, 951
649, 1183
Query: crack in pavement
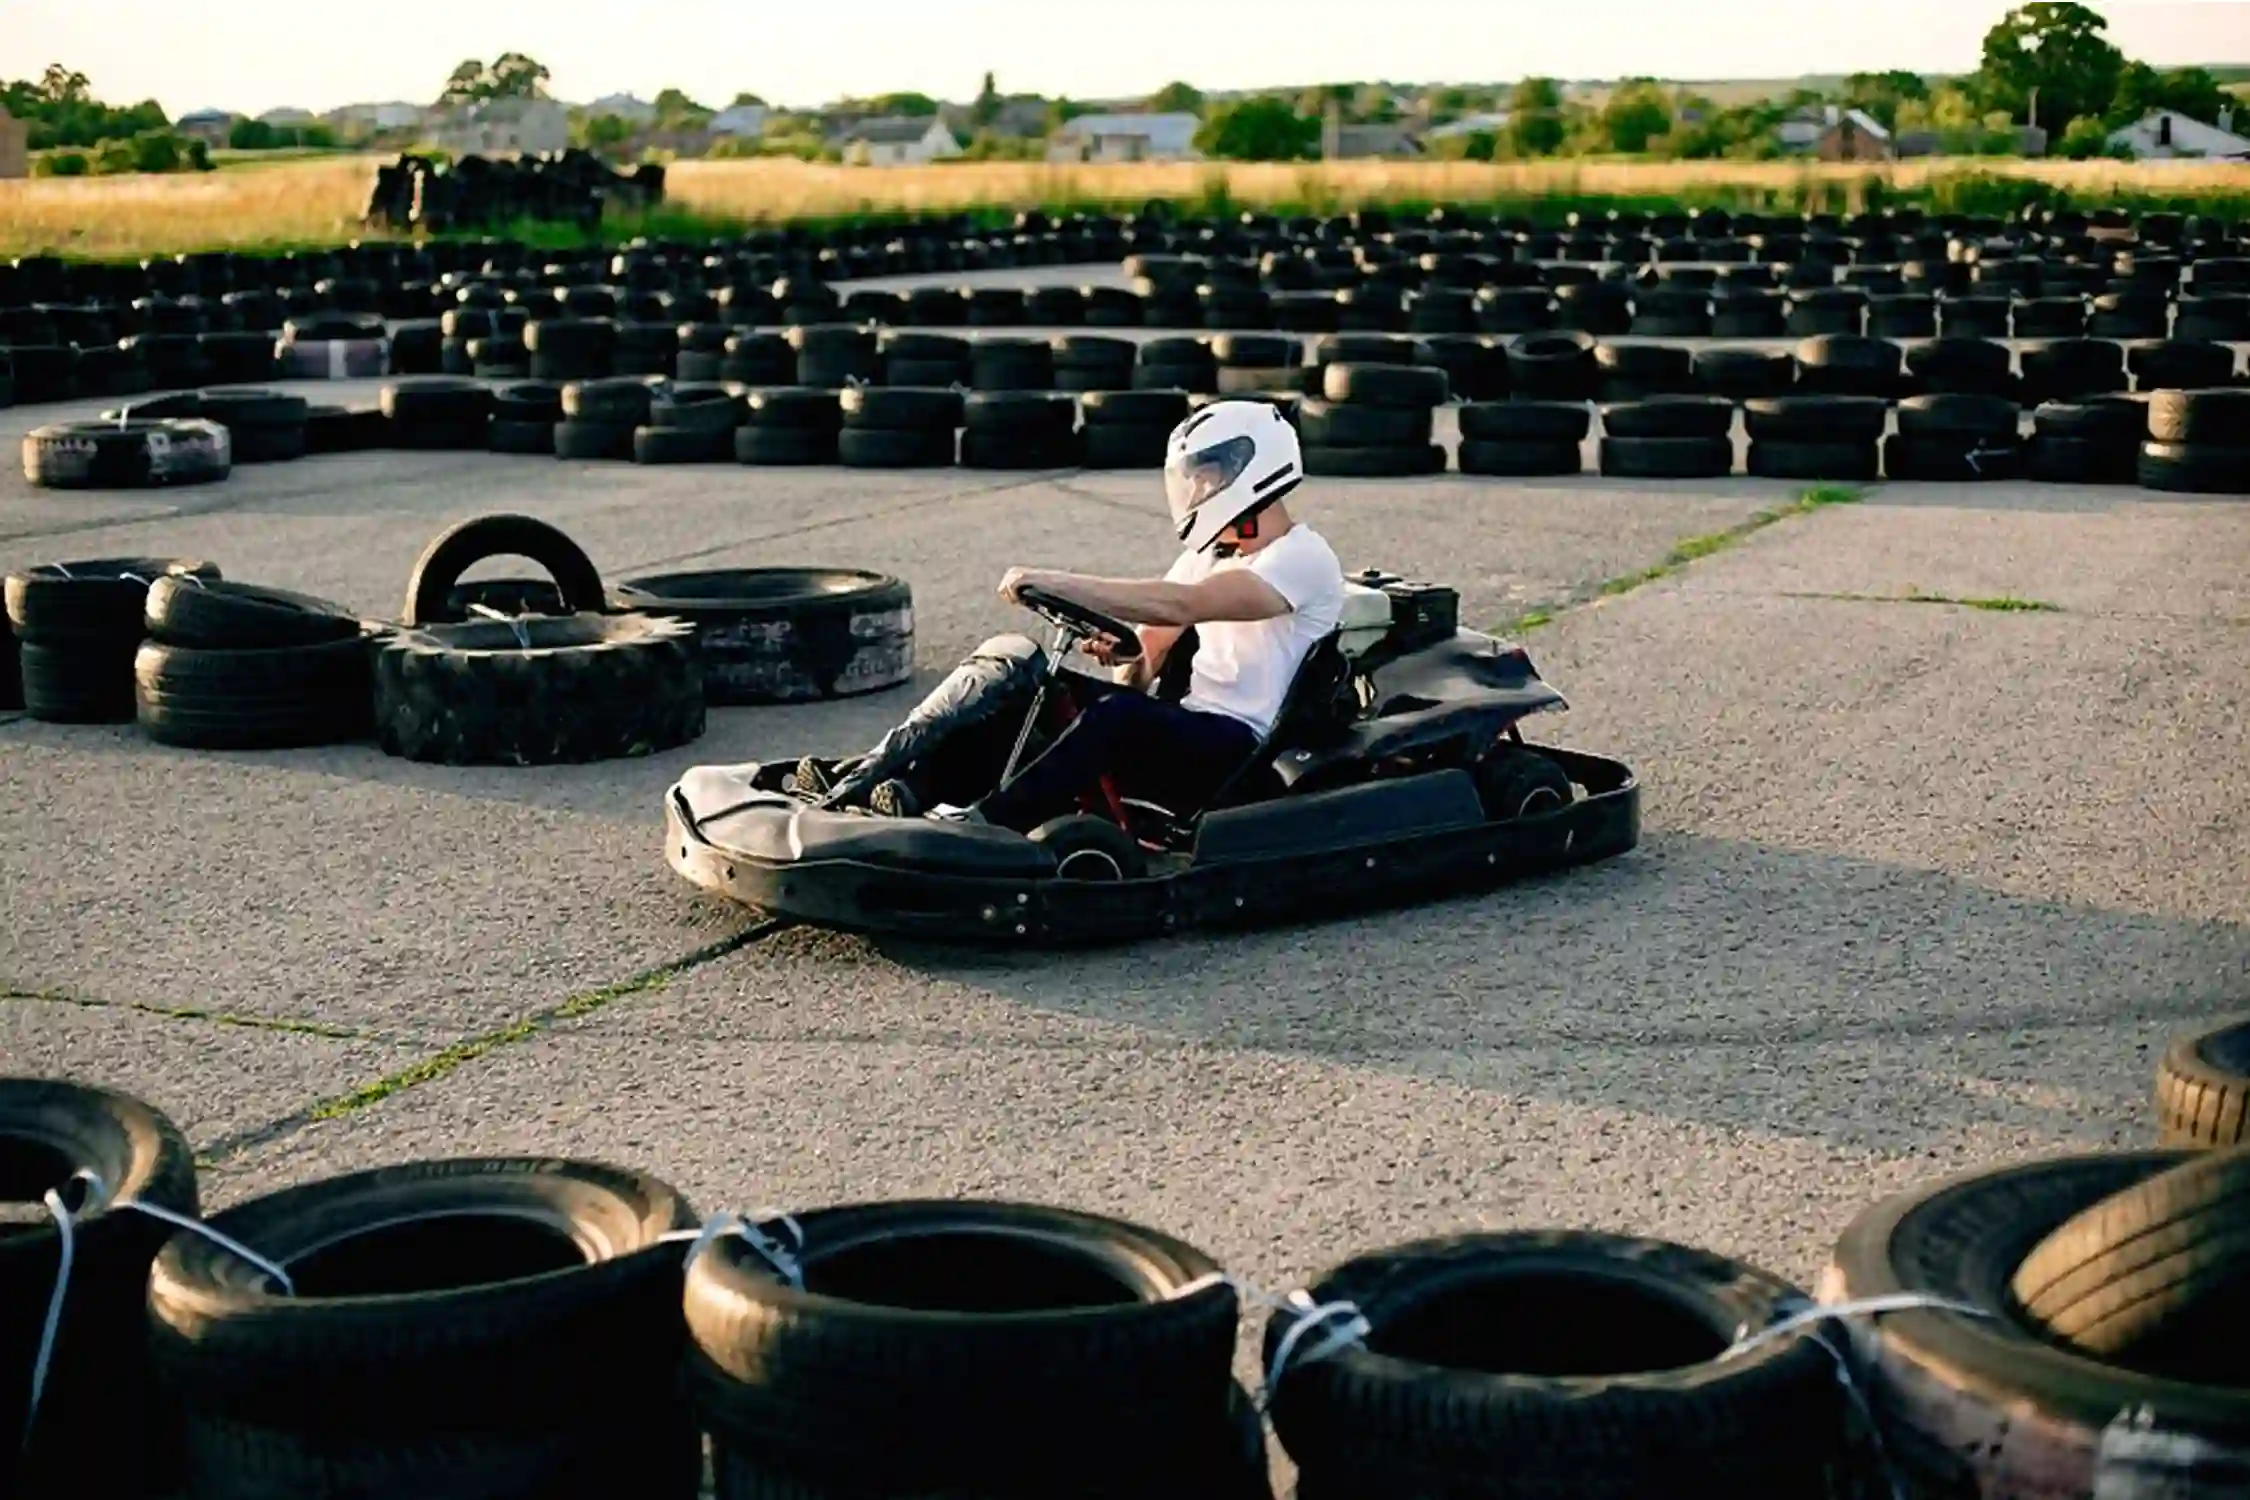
1692, 550
191, 1013
461, 1053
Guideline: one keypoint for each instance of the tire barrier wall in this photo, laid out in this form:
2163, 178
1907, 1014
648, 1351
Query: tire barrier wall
488, 672
477, 192
2050, 1327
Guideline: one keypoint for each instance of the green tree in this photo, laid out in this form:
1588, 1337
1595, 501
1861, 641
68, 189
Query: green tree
744, 98
1636, 113
1260, 129
466, 84
986, 109
676, 111
2191, 91
2084, 138
1177, 98
604, 131
1535, 120
1879, 95
511, 75
2048, 61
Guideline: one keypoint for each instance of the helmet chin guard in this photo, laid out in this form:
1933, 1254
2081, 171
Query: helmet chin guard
1225, 464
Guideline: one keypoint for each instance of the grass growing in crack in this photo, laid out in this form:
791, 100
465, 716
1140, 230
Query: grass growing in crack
429, 1069
1694, 549
191, 1013
2006, 604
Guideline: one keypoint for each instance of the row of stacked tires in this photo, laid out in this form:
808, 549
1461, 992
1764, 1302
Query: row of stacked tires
1368, 420
508, 1327
564, 669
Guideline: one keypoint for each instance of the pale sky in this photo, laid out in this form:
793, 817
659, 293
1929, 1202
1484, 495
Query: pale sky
252, 57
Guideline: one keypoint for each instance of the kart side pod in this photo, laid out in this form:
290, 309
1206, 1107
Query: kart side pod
1373, 812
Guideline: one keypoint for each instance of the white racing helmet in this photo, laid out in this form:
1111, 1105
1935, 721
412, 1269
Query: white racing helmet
1228, 461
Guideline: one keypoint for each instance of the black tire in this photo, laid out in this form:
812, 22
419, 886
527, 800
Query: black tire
268, 698
1741, 374
589, 441
1519, 458
1089, 848
875, 408
2148, 1275
1543, 1363
1115, 446
1525, 421
336, 429
1325, 424
1667, 457
463, 545
612, 401
2203, 1086
1669, 417
2078, 460
1784, 458
528, 401
683, 445
986, 448
786, 445
1408, 386
1107, 408
793, 406
896, 447
994, 1344
1957, 415
223, 616
101, 598
787, 635
462, 1327
1984, 1405
1952, 460
538, 691
1816, 419
127, 455
695, 408
1019, 414
49, 1130
1517, 782
2194, 469
437, 412
2215, 417
1403, 461
527, 439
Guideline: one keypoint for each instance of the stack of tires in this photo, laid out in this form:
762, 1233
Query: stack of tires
1374, 421
1521, 439
1558, 366
1176, 364
786, 635
971, 1348
758, 359
912, 359
233, 666
831, 356
1093, 362
261, 426
1955, 437
2087, 442
600, 418
898, 427
1668, 437
789, 425
1019, 430
438, 412
78, 627
688, 424
2198, 442
1832, 438
127, 454
1254, 362
1128, 429
1011, 364
524, 417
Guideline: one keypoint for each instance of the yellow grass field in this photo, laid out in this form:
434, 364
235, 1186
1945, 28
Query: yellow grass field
318, 201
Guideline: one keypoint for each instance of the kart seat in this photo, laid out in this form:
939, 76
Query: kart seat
1320, 706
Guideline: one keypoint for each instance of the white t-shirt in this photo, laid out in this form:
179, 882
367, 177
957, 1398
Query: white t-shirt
1244, 667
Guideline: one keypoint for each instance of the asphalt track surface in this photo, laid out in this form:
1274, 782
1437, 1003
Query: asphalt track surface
1924, 885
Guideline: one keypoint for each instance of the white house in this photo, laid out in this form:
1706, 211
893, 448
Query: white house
503, 127
1166, 137
289, 119
747, 121
2166, 133
897, 141
392, 116
625, 107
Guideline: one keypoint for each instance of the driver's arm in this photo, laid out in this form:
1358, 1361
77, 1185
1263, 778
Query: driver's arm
1236, 594
1157, 642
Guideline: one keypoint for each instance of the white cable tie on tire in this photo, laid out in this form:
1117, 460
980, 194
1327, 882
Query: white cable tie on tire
66, 1232
1812, 1314
1345, 1326
725, 1222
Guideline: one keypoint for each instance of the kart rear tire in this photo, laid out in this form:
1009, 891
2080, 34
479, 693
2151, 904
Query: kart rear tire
1515, 782
1084, 845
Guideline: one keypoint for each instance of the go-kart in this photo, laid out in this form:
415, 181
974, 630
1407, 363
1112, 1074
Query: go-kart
1397, 767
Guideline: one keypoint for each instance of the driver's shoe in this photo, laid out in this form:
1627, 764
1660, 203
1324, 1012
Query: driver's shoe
894, 799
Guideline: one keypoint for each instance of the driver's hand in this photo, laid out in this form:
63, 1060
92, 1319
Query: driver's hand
1014, 579
1102, 648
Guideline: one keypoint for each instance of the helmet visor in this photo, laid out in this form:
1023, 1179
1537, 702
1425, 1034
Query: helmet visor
1194, 477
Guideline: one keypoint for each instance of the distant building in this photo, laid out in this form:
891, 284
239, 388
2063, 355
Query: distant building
210, 126
15, 142
897, 141
744, 121
625, 107
1369, 142
1490, 121
2166, 133
502, 127
372, 118
1111, 138
288, 119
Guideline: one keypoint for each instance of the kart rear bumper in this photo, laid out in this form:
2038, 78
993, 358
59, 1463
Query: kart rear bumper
760, 855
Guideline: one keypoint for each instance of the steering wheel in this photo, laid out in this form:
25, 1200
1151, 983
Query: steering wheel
1077, 618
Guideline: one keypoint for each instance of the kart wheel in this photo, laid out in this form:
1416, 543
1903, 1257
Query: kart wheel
1513, 782
1090, 848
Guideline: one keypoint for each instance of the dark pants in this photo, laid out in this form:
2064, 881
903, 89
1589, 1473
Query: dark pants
1150, 749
